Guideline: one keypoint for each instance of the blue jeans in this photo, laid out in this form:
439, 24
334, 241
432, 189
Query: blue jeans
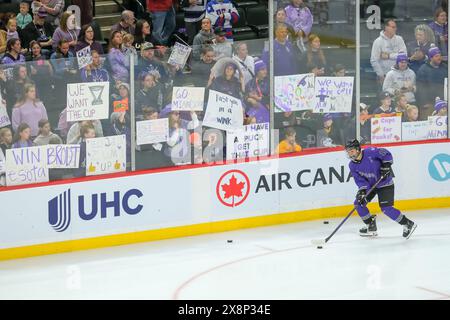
163, 25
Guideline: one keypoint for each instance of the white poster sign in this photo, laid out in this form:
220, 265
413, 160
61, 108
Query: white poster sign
223, 112
87, 101
414, 131
179, 55
105, 155
152, 131
295, 92
437, 127
251, 141
84, 57
386, 129
188, 98
63, 156
26, 165
333, 94
4, 118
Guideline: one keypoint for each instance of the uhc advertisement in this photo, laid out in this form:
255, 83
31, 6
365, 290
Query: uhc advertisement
160, 200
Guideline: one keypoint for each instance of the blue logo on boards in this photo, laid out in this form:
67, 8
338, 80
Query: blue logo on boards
439, 167
59, 208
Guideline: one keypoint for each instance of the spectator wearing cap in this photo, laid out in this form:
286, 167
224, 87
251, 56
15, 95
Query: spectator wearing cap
245, 61
201, 70
289, 144
224, 14
418, 48
257, 94
440, 108
385, 50
386, 104
163, 18
149, 63
38, 30
430, 82
329, 135
440, 29
227, 82
126, 23
222, 47
117, 59
285, 55
300, 18
401, 79
53, 8
204, 37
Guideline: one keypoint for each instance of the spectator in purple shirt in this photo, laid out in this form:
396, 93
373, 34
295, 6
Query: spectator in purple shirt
13, 53
300, 18
67, 31
94, 72
22, 137
440, 29
257, 94
117, 59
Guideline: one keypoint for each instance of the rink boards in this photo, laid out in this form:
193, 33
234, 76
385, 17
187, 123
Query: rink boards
177, 202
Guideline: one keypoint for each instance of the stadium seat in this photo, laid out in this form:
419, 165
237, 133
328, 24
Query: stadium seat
258, 20
9, 7
245, 3
241, 31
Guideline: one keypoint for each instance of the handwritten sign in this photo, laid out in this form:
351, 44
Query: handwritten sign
152, 131
333, 94
4, 118
223, 112
179, 55
386, 129
295, 92
62, 156
414, 131
84, 57
437, 127
251, 141
121, 105
87, 101
105, 155
188, 98
26, 165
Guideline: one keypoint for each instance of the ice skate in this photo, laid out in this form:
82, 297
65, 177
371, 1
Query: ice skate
408, 229
370, 230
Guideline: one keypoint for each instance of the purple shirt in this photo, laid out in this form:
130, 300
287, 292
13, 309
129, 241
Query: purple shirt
299, 18
119, 64
367, 172
29, 113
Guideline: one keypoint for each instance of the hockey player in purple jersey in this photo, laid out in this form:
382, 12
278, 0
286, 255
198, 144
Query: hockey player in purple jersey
367, 167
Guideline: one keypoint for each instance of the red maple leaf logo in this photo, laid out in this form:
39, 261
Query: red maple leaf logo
233, 189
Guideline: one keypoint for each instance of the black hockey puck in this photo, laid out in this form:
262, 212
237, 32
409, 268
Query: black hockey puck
229, 241
325, 222
319, 247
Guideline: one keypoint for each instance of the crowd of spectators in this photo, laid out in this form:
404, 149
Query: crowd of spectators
38, 47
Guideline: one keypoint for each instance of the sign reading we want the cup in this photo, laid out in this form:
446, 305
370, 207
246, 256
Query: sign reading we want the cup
87, 101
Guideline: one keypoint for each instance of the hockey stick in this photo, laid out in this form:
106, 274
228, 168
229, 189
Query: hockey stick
321, 242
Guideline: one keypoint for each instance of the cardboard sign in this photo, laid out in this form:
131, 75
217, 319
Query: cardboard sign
152, 131
251, 141
26, 165
386, 129
4, 118
437, 127
414, 131
63, 156
121, 105
188, 98
180, 54
84, 57
295, 92
333, 94
223, 112
87, 101
105, 155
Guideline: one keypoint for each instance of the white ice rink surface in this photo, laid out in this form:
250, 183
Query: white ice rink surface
275, 262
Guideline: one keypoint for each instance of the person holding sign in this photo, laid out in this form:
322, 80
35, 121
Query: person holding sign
94, 72
440, 108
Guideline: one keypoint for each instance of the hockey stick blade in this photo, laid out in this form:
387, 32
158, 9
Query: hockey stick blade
318, 242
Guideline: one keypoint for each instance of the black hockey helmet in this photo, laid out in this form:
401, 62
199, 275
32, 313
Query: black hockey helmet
353, 144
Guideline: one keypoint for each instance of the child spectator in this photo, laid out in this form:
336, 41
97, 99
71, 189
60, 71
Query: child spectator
440, 29
45, 134
94, 71
204, 38
13, 53
440, 108
329, 135
401, 104
75, 134
401, 79
288, 145
22, 137
315, 58
386, 104
222, 13
128, 49
23, 17
87, 39
245, 61
28, 110
87, 131
418, 48
6, 139
412, 113
194, 12
300, 18
11, 29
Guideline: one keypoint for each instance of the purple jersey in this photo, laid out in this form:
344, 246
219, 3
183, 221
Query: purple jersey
367, 171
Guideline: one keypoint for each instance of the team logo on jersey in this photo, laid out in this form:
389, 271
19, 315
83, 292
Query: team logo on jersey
233, 188
439, 167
